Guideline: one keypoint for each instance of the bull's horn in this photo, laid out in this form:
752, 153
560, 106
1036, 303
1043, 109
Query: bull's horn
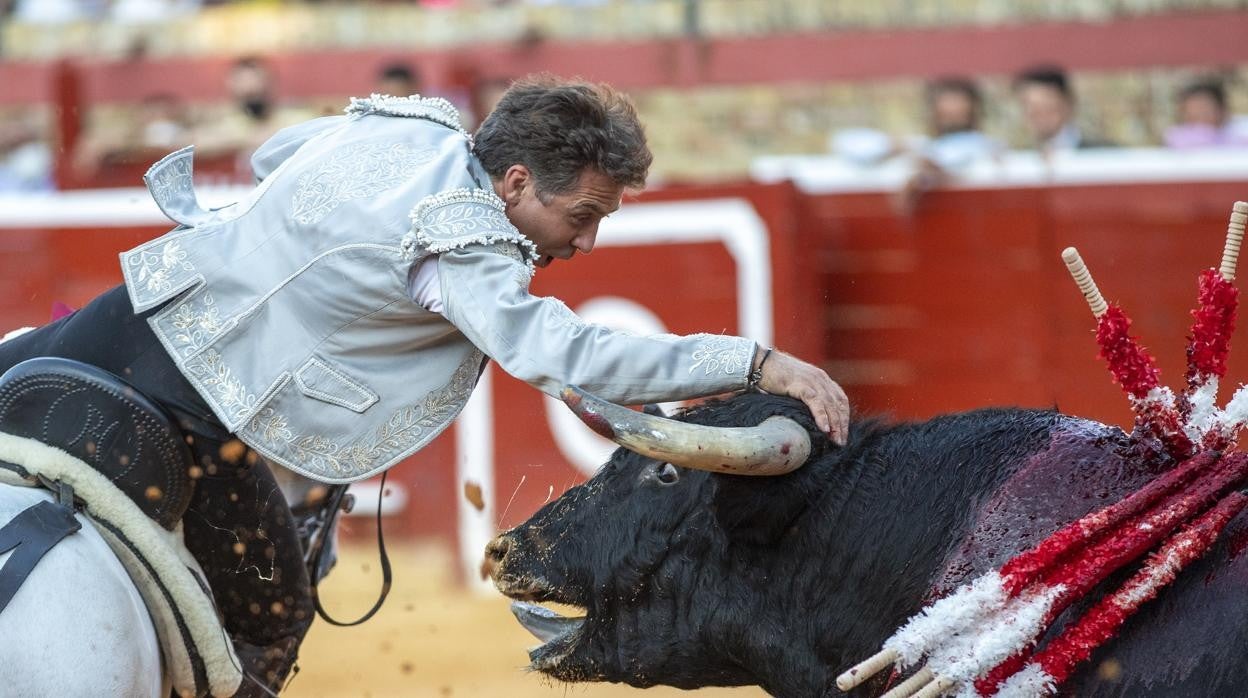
777, 446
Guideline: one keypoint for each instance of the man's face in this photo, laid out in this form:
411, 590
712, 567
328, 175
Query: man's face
563, 224
249, 82
396, 87
1045, 109
952, 111
1201, 109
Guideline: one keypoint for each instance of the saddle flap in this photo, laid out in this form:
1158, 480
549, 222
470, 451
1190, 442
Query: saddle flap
104, 422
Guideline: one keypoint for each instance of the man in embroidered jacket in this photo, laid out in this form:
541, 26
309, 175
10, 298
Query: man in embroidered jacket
336, 319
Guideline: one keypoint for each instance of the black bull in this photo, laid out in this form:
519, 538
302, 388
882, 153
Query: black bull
689, 578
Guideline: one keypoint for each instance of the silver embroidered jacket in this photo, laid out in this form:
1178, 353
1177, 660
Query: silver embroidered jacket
289, 310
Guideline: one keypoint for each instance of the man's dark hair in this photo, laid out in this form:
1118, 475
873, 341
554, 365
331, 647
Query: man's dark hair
250, 62
559, 128
1048, 75
960, 85
1206, 88
397, 71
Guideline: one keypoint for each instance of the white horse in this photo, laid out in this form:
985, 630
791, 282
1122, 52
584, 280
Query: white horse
78, 625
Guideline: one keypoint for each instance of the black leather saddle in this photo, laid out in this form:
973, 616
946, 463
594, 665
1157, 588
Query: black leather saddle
103, 421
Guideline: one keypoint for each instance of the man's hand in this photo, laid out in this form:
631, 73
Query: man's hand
788, 375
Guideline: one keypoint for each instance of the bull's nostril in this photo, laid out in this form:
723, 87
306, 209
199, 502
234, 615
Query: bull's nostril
497, 549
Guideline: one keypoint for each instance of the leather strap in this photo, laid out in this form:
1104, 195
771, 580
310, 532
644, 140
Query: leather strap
317, 552
30, 535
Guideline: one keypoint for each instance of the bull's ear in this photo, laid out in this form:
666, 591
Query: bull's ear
760, 510
653, 410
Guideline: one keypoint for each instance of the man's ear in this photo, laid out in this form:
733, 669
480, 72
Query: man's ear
515, 180
759, 510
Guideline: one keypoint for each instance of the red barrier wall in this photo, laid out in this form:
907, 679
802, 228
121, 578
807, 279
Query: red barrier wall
968, 303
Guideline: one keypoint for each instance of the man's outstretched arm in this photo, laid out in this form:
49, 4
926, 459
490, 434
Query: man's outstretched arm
541, 342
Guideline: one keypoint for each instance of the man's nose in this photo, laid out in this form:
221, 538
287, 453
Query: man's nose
584, 243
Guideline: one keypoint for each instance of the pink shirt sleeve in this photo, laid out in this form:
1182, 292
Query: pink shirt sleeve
423, 286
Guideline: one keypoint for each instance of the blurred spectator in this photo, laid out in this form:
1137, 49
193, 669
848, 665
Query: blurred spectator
150, 11
955, 112
251, 85
1204, 120
163, 123
25, 159
159, 127
398, 80
251, 117
1049, 110
57, 11
955, 109
863, 146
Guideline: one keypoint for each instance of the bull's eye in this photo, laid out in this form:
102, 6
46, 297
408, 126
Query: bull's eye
666, 474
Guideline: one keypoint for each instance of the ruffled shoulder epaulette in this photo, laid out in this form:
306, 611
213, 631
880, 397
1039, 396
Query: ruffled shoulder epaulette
434, 109
460, 217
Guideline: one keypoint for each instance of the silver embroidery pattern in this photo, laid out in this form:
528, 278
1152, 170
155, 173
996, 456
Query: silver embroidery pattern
227, 390
721, 354
271, 426
354, 172
460, 217
170, 177
402, 432
524, 273
434, 109
510, 251
562, 314
157, 265
195, 323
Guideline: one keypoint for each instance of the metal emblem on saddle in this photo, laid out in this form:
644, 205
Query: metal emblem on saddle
119, 461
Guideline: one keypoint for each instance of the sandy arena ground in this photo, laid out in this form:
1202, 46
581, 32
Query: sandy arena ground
430, 639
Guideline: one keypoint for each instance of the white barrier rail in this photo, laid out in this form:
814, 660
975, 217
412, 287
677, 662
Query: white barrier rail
827, 174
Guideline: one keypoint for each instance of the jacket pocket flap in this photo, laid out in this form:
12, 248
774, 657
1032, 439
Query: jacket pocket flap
319, 380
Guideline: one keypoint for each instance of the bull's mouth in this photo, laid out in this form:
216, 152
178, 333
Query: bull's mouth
557, 633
